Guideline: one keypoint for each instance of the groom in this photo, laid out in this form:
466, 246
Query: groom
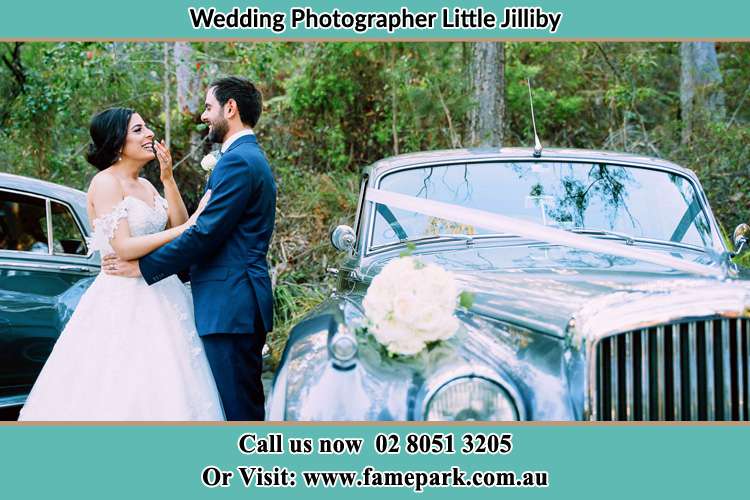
226, 251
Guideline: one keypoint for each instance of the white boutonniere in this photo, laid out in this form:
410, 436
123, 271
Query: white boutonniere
209, 162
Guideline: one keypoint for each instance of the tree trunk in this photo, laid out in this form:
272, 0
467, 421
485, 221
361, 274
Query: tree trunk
487, 70
188, 80
189, 92
394, 99
701, 96
167, 100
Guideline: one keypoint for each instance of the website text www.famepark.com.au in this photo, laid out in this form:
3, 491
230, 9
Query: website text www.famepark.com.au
369, 477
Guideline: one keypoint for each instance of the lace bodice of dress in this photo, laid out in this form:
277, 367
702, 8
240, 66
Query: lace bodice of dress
142, 219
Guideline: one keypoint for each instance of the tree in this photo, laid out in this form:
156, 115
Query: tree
189, 91
167, 100
11, 59
487, 70
701, 95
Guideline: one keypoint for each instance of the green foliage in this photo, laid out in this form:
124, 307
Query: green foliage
466, 299
349, 104
409, 250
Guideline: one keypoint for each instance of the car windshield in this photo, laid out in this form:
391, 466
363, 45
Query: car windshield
582, 197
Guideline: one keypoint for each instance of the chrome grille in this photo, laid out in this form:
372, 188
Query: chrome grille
692, 370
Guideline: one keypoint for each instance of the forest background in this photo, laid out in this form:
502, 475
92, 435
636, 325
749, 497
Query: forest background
332, 108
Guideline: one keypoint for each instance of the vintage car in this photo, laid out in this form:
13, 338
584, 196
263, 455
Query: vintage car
45, 266
602, 288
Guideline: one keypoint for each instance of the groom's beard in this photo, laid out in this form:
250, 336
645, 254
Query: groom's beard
218, 131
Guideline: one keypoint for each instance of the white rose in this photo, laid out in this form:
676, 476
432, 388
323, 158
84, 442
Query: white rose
406, 307
398, 338
447, 328
208, 162
377, 303
406, 346
389, 332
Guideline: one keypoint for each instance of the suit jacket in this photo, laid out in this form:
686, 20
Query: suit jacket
226, 249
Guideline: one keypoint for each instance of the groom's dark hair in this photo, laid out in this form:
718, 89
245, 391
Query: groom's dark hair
248, 98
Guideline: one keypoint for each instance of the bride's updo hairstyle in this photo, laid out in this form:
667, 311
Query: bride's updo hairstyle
108, 131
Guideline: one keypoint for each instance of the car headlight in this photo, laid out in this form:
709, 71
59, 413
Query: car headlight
470, 398
342, 348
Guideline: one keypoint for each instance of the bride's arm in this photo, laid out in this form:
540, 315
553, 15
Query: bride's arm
177, 211
106, 193
129, 247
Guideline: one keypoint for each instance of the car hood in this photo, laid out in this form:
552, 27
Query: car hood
532, 304
550, 288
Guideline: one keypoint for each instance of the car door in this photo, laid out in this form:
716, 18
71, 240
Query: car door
45, 266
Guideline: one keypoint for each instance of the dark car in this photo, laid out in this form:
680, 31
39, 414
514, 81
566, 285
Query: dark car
602, 287
45, 266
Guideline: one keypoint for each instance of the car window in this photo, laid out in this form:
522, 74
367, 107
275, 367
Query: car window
23, 223
66, 234
639, 202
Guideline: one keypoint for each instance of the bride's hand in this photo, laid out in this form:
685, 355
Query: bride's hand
165, 161
201, 206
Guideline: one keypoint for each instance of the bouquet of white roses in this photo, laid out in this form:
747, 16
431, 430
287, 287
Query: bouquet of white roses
410, 304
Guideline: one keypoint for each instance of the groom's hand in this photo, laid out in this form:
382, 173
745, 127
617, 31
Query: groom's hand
114, 266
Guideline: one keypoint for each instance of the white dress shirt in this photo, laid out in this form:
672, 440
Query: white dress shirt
225, 145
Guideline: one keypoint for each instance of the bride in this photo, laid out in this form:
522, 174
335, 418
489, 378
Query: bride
130, 351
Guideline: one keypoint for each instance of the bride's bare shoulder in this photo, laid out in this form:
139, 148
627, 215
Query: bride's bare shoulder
104, 191
103, 182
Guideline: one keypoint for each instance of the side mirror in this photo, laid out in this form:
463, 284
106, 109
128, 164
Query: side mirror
343, 238
741, 237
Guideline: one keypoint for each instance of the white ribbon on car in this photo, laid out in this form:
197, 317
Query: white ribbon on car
532, 230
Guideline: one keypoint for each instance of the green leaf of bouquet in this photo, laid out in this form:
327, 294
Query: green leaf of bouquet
466, 299
410, 247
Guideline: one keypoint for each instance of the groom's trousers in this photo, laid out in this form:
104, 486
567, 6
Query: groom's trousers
237, 363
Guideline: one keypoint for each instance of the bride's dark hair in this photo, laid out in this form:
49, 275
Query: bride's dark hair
108, 130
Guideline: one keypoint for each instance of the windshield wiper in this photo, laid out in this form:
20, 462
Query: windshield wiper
631, 240
468, 238
628, 239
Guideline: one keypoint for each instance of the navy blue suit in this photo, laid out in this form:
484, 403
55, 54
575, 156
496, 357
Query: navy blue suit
226, 254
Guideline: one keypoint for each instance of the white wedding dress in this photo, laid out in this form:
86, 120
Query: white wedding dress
130, 351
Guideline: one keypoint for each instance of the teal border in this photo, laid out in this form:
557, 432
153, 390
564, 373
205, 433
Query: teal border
582, 19
165, 461
583, 461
